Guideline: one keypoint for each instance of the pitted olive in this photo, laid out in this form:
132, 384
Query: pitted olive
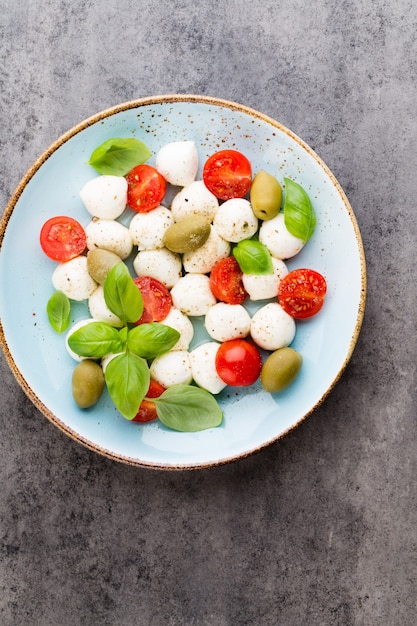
87, 383
280, 369
100, 262
187, 234
265, 195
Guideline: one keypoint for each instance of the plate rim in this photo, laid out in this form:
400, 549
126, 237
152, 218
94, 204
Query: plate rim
166, 99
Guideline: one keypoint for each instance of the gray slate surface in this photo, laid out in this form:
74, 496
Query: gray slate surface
320, 528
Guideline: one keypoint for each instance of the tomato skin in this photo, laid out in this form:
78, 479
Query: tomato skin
226, 281
146, 188
301, 293
147, 408
62, 238
227, 174
238, 363
157, 299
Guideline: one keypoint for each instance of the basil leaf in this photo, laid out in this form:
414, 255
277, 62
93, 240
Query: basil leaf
188, 409
118, 156
127, 379
253, 257
299, 215
122, 296
95, 340
58, 309
150, 340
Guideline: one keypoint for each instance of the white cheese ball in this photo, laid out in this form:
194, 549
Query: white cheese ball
148, 229
180, 322
99, 309
192, 294
227, 321
172, 368
279, 241
162, 264
195, 199
73, 279
109, 235
271, 327
235, 220
178, 162
203, 367
71, 331
105, 196
202, 260
265, 286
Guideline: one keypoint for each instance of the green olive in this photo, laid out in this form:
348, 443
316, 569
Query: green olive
87, 383
100, 262
265, 196
187, 234
280, 369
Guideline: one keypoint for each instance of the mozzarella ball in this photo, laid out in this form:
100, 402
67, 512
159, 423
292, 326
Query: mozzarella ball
99, 309
203, 367
192, 294
73, 279
109, 235
195, 199
180, 322
265, 286
71, 331
227, 321
178, 162
271, 327
202, 260
148, 229
105, 196
172, 368
279, 241
235, 220
161, 264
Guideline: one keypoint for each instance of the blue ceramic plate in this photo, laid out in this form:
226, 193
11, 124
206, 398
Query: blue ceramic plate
253, 418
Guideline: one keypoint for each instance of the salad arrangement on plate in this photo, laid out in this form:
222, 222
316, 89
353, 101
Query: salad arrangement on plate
220, 243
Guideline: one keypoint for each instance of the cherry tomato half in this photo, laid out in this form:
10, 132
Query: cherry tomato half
226, 281
238, 363
145, 188
62, 238
301, 293
227, 174
157, 301
147, 408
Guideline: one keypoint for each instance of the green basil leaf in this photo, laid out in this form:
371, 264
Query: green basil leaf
253, 257
118, 156
127, 379
299, 215
95, 340
188, 409
58, 309
122, 296
150, 340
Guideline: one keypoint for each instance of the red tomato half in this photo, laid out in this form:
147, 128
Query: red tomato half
147, 409
227, 174
301, 293
145, 188
62, 238
226, 281
238, 363
157, 301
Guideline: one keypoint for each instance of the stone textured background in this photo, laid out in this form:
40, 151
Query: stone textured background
320, 528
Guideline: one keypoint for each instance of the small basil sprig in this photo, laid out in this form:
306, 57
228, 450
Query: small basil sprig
253, 257
299, 215
188, 409
119, 155
58, 309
